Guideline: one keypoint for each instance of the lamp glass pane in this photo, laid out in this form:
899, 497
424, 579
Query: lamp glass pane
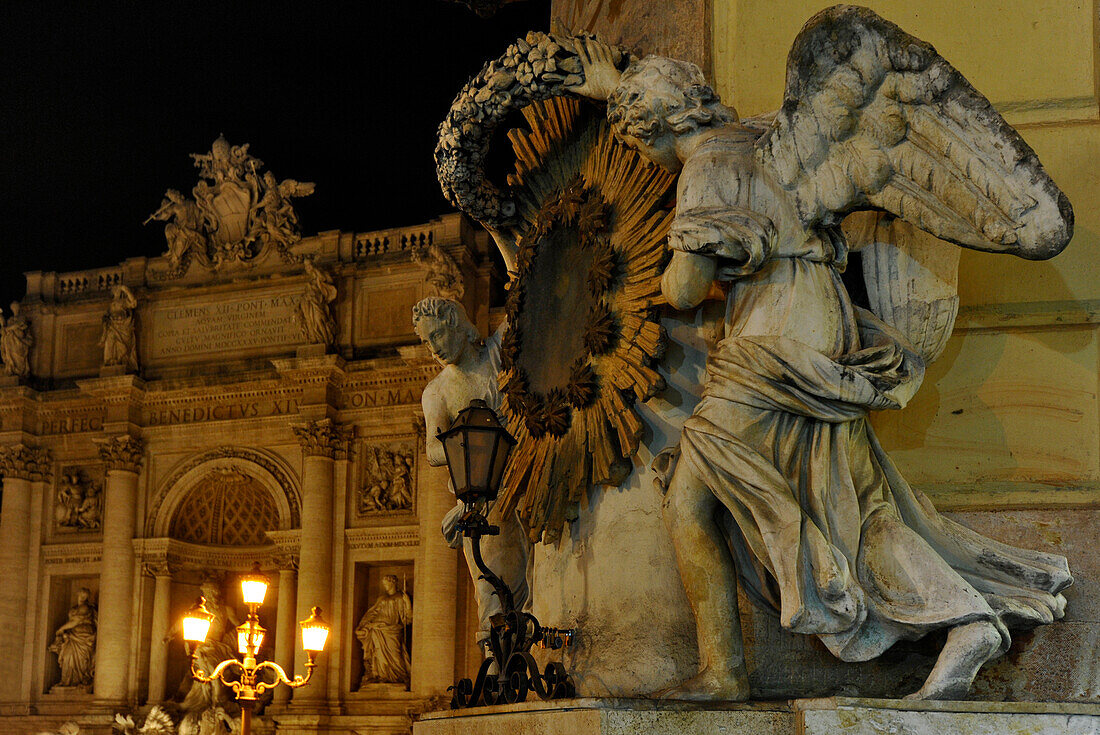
314, 637
479, 445
454, 448
504, 448
246, 633
242, 639
195, 629
253, 591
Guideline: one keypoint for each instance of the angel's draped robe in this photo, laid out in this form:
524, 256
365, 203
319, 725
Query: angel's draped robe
822, 526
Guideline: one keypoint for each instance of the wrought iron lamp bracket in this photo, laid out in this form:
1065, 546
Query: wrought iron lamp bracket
511, 637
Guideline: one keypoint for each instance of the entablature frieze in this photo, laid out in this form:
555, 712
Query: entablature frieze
83, 413
167, 555
378, 537
89, 552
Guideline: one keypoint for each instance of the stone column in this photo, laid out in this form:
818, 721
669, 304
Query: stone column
320, 441
286, 630
436, 587
123, 455
162, 621
20, 466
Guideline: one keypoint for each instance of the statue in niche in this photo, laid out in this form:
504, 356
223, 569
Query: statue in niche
74, 644
444, 275
119, 340
16, 342
778, 478
381, 631
470, 369
387, 481
79, 503
314, 310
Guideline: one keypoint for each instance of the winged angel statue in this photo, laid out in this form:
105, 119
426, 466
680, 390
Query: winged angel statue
778, 479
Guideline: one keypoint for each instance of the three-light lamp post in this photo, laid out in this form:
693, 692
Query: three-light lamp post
250, 635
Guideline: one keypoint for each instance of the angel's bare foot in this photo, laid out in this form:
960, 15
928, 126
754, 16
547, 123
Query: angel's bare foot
709, 686
968, 647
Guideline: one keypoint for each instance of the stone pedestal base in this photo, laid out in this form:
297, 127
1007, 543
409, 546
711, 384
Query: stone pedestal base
834, 716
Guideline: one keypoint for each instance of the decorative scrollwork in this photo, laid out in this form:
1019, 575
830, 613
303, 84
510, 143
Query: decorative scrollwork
510, 639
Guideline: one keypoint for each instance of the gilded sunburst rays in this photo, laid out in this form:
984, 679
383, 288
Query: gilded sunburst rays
582, 332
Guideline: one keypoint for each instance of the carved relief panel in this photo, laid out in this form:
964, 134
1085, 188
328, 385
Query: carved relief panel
388, 480
78, 500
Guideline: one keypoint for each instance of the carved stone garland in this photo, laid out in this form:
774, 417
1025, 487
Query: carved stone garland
534, 68
583, 330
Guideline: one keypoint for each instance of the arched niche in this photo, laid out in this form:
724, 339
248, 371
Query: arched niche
194, 480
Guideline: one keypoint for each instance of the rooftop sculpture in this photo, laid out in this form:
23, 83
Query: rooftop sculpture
235, 215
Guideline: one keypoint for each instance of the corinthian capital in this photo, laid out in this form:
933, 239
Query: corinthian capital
26, 463
323, 438
122, 452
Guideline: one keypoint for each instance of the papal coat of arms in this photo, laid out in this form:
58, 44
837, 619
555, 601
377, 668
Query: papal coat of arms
237, 212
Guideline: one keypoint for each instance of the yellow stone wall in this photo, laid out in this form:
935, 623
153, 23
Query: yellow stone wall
1008, 416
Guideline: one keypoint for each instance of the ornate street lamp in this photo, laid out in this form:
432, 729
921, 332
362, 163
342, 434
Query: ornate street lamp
477, 449
250, 634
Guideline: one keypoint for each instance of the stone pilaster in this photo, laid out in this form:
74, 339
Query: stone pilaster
286, 624
162, 622
21, 466
123, 456
321, 441
436, 588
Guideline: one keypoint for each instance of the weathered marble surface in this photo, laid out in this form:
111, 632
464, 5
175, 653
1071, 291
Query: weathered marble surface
837, 716
680, 29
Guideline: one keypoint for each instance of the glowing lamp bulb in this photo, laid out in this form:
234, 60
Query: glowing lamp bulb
314, 631
254, 586
250, 634
196, 622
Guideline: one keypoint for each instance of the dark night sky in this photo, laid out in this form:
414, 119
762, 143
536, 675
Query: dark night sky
100, 103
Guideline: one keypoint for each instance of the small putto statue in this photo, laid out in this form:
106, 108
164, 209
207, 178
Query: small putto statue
74, 643
119, 339
381, 631
16, 342
314, 310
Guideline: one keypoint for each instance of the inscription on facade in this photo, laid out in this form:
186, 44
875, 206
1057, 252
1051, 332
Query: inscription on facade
197, 412
235, 324
69, 425
372, 398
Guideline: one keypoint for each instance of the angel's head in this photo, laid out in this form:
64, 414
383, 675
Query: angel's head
659, 99
443, 324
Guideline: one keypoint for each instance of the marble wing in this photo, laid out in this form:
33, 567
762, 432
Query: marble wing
874, 118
